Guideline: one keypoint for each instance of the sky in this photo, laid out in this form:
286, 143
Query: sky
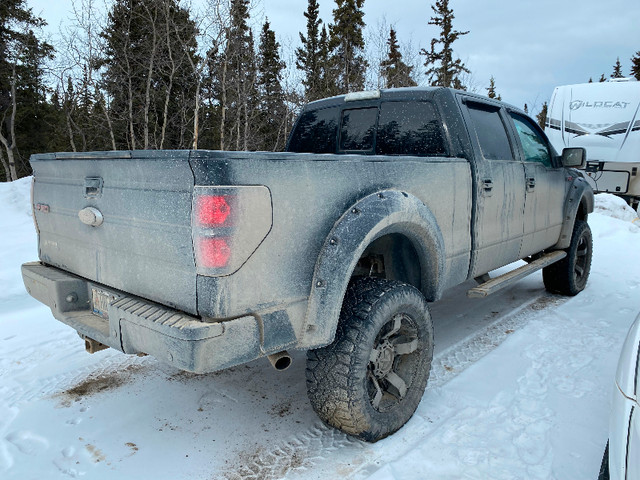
528, 47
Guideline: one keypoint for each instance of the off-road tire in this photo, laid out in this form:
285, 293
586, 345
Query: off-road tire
569, 276
384, 332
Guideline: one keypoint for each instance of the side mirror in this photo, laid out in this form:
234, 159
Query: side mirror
575, 157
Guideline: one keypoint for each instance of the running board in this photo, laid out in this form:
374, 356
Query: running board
498, 283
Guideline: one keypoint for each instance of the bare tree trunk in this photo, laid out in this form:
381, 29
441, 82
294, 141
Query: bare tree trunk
9, 147
196, 113
132, 134
106, 115
5, 165
70, 131
167, 98
147, 95
223, 105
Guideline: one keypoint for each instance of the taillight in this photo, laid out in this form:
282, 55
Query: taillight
214, 210
228, 224
213, 252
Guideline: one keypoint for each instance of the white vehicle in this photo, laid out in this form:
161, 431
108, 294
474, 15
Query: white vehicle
622, 457
604, 118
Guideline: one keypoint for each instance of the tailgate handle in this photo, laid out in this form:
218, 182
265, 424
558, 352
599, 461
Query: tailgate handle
93, 187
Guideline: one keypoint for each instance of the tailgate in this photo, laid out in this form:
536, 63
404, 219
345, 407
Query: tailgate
143, 245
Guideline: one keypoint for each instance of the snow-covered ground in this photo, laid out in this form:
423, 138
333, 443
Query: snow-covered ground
520, 388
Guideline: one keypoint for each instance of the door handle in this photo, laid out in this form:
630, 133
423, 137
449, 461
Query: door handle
531, 184
487, 186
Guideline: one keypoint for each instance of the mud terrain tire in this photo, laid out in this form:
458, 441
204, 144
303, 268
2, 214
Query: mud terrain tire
569, 276
370, 380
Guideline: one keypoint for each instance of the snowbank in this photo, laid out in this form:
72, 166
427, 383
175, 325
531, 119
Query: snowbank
615, 207
19, 241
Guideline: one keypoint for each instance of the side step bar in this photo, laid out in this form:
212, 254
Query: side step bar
498, 283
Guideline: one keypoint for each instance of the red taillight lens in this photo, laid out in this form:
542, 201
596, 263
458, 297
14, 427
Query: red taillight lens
214, 210
213, 252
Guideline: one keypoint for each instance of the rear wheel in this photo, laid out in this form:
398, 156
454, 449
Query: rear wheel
370, 380
569, 276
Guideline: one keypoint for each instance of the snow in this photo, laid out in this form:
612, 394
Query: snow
520, 388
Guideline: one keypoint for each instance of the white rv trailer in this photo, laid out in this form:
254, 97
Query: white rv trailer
604, 118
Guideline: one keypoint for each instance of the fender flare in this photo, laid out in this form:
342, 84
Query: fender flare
376, 215
580, 193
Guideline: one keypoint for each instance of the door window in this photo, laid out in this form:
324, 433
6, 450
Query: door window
534, 144
409, 128
490, 132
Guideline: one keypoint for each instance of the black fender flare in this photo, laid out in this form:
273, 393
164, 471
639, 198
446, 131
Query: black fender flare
376, 215
580, 193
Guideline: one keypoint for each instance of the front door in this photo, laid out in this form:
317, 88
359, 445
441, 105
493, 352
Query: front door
545, 189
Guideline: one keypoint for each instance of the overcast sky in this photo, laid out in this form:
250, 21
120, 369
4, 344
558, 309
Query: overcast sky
528, 46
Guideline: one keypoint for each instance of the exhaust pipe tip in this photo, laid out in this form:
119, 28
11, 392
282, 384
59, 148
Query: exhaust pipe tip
280, 361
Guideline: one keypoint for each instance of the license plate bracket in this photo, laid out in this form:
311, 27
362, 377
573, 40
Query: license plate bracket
100, 301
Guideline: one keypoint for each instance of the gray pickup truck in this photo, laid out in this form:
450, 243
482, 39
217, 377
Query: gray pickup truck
383, 200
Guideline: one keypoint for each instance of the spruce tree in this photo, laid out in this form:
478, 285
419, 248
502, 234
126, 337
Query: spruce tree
23, 93
395, 72
491, 90
602, 78
442, 69
542, 116
346, 44
328, 69
635, 66
308, 57
235, 82
271, 100
617, 70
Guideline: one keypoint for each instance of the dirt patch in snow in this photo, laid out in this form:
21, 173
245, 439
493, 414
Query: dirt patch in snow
547, 301
95, 384
96, 455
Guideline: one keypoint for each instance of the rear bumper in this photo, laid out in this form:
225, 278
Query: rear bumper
139, 326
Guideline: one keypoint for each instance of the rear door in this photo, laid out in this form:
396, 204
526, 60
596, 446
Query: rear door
500, 196
143, 244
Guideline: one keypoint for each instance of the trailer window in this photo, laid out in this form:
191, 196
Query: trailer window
357, 129
490, 132
409, 128
533, 144
316, 132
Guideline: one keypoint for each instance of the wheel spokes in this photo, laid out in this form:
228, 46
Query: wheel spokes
398, 383
406, 348
579, 270
581, 252
375, 401
397, 323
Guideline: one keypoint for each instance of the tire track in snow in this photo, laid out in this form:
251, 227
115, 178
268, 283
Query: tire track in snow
304, 451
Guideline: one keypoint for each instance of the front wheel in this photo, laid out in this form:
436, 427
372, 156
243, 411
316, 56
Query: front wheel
569, 276
370, 380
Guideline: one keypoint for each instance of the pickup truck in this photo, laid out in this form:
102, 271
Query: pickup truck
382, 201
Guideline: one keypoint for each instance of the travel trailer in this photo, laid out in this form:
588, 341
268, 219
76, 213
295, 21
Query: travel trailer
604, 118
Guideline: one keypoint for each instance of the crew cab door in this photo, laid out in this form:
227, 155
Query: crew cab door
545, 188
500, 189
